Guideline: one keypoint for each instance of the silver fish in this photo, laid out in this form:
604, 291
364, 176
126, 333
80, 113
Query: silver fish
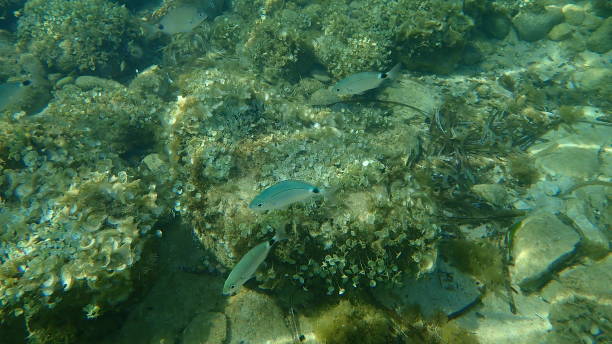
361, 82
282, 194
11, 92
248, 264
181, 19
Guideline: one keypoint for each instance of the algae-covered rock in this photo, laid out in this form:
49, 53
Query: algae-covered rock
208, 327
346, 323
445, 290
75, 213
497, 25
600, 41
573, 14
226, 154
569, 161
346, 38
532, 26
88, 82
254, 317
560, 32
594, 81
494, 193
82, 35
580, 301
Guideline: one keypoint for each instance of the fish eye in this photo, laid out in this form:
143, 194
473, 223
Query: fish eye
26, 83
315, 190
260, 205
160, 26
337, 90
233, 286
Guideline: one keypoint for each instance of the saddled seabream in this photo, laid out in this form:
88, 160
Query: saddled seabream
181, 19
283, 194
248, 264
11, 92
361, 82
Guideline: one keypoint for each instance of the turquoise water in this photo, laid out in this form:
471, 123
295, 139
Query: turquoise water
428, 171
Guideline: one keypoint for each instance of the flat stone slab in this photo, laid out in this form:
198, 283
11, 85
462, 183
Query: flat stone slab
206, 328
255, 318
590, 280
446, 290
494, 322
540, 246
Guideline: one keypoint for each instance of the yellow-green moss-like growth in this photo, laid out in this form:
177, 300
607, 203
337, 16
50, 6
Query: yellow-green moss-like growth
479, 259
346, 323
570, 114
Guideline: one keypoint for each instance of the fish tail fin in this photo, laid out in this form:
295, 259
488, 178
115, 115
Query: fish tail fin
394, 72
329, 194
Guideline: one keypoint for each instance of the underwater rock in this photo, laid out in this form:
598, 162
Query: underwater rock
573, 161
207, 327
81, 35
494, 193
222, 114
254, 318
597, 80
591, 21
534, 26
177, 305
560, 32
494, 322
573, 14
154, 162
352, 322
581, 303
445, 290
88, 82
151, 80
541, 245
581, 210
590, 280
600, 41
497, 25
578, 319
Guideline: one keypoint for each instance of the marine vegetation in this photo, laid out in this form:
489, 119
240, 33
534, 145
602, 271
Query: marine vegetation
117, 129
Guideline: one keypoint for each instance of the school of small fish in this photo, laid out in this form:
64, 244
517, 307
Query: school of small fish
287, 192
277, 196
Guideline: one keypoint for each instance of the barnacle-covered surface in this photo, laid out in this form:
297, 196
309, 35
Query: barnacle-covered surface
125, 138
76, 212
